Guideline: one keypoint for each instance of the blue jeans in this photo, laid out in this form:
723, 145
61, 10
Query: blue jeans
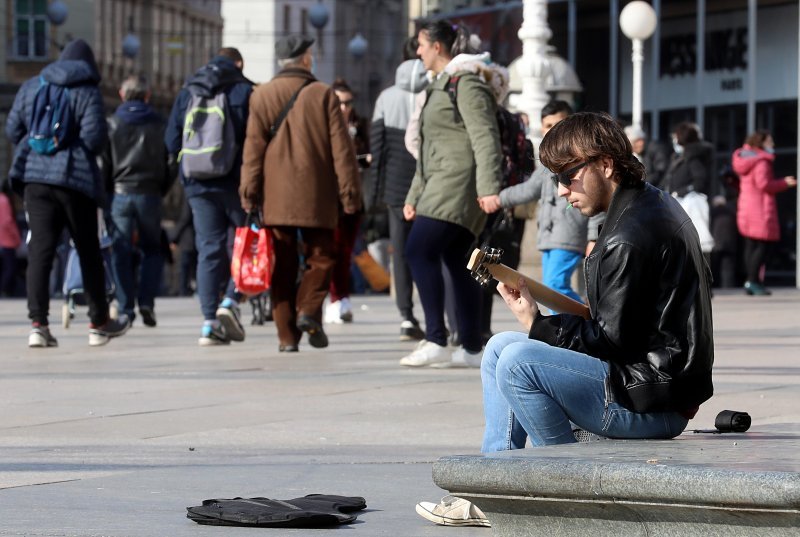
140, 212
532, 389
213, 215
557, 268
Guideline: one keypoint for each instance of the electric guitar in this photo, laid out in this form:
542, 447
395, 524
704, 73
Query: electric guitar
485, 265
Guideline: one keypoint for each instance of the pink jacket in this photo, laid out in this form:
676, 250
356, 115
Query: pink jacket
757, 211
9, 232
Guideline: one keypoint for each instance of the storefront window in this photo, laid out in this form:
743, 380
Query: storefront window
30, 28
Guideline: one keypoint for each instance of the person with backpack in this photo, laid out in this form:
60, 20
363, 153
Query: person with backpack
58, 127
206, 132
391, 173
459, 166
299, 166
139, 172
563, 234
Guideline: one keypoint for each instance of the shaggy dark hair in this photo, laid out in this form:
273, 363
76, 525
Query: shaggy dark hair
589, 136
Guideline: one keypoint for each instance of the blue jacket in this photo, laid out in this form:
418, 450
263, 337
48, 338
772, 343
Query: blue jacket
220, 74
73, 167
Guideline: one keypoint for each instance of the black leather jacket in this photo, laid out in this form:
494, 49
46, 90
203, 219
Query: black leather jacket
649, 295
135, 160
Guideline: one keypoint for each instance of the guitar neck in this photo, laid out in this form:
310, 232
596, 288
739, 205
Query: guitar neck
545, 296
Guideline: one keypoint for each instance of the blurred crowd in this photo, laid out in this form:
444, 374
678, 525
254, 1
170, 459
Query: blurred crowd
114, 211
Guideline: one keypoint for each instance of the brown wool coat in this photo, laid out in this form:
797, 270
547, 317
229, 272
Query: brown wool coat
309, 168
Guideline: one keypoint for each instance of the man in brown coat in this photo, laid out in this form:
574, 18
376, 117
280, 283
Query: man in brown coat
299, 177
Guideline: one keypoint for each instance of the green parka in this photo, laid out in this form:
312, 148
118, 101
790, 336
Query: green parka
458, 161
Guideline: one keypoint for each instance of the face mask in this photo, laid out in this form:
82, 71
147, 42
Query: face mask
677, 148
770, 150
313, 65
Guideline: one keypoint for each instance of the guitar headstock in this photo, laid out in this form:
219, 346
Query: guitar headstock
479, 262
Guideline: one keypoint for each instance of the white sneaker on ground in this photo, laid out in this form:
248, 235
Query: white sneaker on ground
426, 353
345, 310
453, 511
460, 359
333, 313
40, 337
100, 335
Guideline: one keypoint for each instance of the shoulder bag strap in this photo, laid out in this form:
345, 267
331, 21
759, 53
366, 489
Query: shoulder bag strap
285, 111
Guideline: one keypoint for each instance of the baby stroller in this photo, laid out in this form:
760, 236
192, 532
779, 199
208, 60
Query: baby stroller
73, 279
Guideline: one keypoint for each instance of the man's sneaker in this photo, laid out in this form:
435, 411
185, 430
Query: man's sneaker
99, 335
228, 315
410, 331
213, 335
41, 337
316, 335
453, 511
426, 353
346, 310
461, 358
148, 316
582, 435
333, 313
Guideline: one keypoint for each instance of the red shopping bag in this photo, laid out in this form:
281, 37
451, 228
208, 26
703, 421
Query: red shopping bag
253, 259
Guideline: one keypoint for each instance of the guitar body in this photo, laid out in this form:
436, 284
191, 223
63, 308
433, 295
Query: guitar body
485, 265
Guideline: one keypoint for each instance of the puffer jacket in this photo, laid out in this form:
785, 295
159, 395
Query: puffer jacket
649, 296
393, 166
73, 167
757, 210
219, 75
135, 161
459, 161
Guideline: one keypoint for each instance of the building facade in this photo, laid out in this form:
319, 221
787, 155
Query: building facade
172, 37
367, 67
730, 66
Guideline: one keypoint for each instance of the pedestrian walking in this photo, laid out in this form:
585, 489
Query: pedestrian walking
757, 210
340, 310
299, 166
58, 127
206, 132
139, 172
459, 166
391, 173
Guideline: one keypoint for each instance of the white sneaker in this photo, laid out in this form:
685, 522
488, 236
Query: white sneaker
453, 511
345, 310
426, 353
333, 313
461, 358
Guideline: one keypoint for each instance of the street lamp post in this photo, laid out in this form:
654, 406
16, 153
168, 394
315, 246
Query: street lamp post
534, 67
638, 22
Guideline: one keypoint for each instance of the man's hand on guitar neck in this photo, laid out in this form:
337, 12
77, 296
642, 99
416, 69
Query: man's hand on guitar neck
520, 302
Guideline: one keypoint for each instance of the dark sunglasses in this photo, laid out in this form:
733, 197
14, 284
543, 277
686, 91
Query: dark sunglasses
565, 177
348, 104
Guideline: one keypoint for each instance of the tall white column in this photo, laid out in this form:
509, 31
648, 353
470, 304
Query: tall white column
534, 67
637, 56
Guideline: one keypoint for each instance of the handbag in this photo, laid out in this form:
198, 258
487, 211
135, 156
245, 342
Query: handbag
696, 206
253, 257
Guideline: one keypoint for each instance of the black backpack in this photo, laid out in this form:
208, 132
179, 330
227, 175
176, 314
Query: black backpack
518, 156
312, 511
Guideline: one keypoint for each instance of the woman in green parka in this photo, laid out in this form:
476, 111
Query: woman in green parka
459, 165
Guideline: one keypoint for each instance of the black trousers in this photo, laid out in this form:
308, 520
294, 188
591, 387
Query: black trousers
399, 228
50, 209
755, 256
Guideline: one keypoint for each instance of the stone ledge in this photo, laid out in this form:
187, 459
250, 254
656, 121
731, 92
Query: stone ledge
732, 484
